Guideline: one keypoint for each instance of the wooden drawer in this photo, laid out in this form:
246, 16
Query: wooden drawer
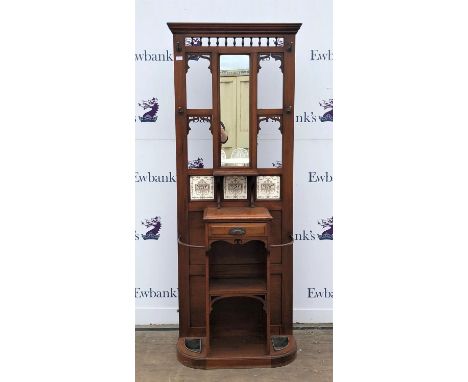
238, 229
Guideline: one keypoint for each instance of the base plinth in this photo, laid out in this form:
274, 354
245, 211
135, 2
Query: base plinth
236, 358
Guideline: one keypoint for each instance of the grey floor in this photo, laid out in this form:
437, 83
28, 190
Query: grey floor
156, 361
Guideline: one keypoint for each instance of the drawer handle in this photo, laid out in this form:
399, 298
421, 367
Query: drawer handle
237, 231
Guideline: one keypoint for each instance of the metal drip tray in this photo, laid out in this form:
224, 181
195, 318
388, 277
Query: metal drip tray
193, 344
279, 342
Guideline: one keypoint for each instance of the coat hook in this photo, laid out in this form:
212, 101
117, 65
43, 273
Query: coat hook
290, 47
181, 110
178, 48
288, 109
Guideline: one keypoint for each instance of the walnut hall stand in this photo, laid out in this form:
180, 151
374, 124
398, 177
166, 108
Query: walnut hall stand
234, 144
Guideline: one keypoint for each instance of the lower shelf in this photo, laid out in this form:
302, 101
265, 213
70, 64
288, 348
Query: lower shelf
238, 346
237, 286
236, 354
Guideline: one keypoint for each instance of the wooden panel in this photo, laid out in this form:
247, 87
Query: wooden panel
197, 269
182, 187
197, 331
252, 252
197, 234
275, 231
197, 301
250, 229
275, 330
275, 299
237, 270
287, 186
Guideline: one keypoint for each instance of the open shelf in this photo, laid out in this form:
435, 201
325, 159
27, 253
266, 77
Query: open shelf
219, 287
238, 326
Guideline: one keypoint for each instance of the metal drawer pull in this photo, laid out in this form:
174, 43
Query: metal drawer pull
237, 231
285, 244
189, 245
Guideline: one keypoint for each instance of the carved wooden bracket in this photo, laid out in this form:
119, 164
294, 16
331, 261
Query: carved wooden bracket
198, 119
196, 57
273, 118
267, 56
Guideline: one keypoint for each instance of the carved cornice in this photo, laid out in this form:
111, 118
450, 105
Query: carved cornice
234, 28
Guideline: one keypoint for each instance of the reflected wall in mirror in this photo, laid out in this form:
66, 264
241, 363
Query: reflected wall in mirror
270, 81
198, 81
269, 142
234, 104
199, 143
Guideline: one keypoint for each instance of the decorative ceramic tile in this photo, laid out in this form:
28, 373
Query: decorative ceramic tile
268, 187
235, 187
201, 187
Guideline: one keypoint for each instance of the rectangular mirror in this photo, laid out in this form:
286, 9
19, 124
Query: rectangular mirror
234, 104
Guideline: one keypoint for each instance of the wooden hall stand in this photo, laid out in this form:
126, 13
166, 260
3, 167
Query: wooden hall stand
234, 223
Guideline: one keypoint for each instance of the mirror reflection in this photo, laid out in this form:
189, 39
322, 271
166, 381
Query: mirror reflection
234, 105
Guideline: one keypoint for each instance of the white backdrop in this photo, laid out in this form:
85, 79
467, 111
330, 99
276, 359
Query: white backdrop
155, 180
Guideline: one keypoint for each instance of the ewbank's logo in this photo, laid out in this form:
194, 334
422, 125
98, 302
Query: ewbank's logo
150, 115
321, 55
315, 177
196, 163
154, 56
315, 117
327, 232
154, 293
319, 293
326, 224
328, 116
155, 225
